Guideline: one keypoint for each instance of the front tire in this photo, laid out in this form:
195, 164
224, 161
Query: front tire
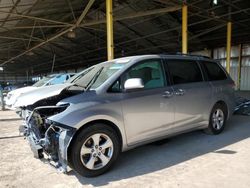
217, 120
94, 150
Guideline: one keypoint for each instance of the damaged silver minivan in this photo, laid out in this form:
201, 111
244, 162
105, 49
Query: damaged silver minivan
128, 102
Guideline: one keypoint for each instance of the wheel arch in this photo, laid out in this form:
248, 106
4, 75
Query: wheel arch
223, 103
88, 124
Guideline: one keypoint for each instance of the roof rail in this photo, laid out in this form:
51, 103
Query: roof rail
193, 55
188, 54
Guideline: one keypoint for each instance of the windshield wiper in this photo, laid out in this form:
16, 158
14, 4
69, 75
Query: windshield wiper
78, 85
93, 80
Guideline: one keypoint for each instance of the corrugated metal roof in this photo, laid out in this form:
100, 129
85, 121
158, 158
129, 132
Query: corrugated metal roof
26, 23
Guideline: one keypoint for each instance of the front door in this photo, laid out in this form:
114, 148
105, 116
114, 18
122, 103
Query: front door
148, 112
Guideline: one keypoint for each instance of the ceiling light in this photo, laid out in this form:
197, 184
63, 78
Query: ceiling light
214, 2
71, 34
1, 68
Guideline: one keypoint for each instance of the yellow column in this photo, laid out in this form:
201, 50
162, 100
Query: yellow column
239, 66
110, 38
184, 29
229, 35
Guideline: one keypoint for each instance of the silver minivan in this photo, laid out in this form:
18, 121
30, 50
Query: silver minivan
128, 102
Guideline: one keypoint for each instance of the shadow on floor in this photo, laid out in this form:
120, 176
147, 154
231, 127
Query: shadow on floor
150, 158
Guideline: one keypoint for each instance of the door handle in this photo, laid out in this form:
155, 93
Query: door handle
167, 94
179, 92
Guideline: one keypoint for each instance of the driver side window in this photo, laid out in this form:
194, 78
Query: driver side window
150, 72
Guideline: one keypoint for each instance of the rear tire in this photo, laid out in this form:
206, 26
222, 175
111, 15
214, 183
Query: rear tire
217, 120
94, 150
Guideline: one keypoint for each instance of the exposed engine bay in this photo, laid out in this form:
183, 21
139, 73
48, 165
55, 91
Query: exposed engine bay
48, 139
53, 100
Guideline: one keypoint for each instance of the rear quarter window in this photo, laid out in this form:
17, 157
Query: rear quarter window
214, 71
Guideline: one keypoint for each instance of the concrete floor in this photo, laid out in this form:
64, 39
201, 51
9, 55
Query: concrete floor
191, 160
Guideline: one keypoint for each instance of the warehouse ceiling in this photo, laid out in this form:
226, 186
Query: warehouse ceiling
37, 35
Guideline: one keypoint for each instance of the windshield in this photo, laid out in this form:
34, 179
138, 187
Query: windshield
79, 75
96, 75
43, 81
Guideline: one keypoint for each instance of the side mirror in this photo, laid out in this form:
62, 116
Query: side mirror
133, 83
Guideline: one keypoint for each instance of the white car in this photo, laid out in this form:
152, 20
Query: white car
53, 79
50, 95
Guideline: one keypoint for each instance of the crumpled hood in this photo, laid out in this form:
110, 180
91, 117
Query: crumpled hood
77, 104
39, 94
80, 98
84, 106
12, 96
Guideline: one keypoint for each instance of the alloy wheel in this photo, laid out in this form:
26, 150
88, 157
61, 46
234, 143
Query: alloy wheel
96, 151
218, 119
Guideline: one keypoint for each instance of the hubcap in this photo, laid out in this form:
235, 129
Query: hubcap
218, 119
96, 151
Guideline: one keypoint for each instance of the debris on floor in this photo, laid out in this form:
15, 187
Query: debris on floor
242, 106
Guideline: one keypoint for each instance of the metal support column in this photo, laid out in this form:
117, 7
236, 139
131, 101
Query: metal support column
184, 29
229, 35
2, 99
110, 38
212, 53
239, 66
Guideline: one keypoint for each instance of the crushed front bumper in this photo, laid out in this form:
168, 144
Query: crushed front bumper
52, 145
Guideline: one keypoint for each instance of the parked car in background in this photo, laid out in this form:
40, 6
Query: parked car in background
128, 102
9, 88
52, 94
52, 79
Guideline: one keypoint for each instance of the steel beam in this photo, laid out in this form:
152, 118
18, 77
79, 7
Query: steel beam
134, 15
12, 9
184, 29
36, 18
80, 19
229, 36
16, 38
97, 22
110, 34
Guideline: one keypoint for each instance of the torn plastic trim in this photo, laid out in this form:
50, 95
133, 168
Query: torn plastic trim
55, 141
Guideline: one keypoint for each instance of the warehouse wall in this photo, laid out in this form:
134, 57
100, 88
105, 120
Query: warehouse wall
245, 78
12, 79
220, 55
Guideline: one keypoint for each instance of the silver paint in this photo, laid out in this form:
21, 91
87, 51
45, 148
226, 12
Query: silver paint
147, 115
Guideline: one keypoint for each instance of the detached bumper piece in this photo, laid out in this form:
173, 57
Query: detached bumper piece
48, 140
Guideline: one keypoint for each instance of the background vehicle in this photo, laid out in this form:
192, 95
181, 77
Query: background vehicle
52, 94
53, 79
9, 88
129, 102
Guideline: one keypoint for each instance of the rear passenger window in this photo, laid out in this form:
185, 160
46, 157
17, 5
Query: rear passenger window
183, 71
214, 71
